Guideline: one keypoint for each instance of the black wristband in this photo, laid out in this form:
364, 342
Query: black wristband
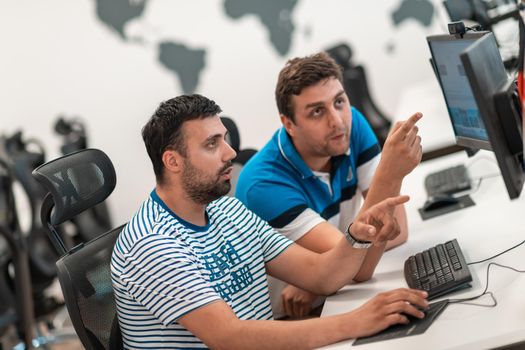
354, 242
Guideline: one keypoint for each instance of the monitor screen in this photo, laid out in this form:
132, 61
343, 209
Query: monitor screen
495, 95
467, 123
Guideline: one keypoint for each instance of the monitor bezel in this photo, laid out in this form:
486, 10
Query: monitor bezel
509, 161
463, 141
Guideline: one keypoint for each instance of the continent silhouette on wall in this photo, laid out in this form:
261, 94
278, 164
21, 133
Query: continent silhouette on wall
275, 15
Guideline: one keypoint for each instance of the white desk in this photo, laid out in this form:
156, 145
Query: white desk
494, 224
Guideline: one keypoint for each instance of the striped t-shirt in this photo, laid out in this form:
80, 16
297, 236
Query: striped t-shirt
164, 267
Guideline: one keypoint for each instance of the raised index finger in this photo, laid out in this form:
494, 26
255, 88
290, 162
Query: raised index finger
408, 125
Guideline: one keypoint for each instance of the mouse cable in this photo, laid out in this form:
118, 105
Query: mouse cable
478, 181
479, 157
485, 291
496, 255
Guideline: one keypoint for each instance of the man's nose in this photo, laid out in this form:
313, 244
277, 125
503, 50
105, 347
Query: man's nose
335, 118
229, 153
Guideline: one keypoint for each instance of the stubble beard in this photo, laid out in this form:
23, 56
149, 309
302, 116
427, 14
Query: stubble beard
202, 188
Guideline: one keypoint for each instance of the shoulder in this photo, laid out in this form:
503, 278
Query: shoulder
263, 159
363, 139
359, 123
150, 222
267, 170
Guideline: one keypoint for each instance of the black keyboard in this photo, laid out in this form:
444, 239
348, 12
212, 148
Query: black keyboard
448, 181
438, 270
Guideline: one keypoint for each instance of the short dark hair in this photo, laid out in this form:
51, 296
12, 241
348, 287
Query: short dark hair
163, 131
300, 73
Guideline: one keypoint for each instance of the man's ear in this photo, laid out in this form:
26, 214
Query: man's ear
172, 161
288, 124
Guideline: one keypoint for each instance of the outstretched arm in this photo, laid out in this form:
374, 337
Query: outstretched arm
327, 272
401, 154
218, 327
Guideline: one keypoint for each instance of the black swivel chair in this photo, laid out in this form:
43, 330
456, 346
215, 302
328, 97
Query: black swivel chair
94, 221
77, 182
243, 155
22, 156
15, 290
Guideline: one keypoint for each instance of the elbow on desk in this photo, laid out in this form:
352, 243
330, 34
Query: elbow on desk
399, 240
364, 274
362, 278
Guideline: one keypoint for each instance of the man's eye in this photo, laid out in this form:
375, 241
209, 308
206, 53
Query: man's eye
316, 112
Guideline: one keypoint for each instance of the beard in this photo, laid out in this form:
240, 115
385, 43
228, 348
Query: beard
203, 188
330, 149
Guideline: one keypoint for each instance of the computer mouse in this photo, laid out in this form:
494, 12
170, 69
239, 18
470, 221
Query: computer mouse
439, 201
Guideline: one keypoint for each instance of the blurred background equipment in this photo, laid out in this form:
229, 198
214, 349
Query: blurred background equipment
356, 86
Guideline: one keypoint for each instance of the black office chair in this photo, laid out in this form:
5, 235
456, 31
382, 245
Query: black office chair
243, 155
77, 182
16, 302
94, 221
356, 86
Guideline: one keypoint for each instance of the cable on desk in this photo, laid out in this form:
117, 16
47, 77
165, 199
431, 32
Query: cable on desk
485, 292
495, 256
480, 179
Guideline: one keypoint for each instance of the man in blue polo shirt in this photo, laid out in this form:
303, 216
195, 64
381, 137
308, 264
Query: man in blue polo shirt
317, 171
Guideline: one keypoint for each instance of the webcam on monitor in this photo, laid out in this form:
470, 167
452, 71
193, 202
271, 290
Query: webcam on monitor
457, 28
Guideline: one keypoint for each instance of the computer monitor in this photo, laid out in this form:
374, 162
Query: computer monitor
459, 10
498, 16
499, 107
486, 13
463, 111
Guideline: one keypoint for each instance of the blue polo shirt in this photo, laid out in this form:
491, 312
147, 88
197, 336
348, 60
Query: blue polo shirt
278, 185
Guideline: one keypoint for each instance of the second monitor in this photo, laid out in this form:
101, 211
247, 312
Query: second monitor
481, 100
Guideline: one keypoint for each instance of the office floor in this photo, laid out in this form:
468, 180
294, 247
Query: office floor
9, 340
63, 333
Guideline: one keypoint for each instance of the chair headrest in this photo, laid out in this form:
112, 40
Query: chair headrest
76, 182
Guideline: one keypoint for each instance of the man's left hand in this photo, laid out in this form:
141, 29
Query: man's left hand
378, 224
402, 150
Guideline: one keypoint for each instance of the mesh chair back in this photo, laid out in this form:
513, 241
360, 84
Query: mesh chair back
76, 182
85, 278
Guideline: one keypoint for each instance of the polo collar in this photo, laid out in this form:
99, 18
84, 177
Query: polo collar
290, 154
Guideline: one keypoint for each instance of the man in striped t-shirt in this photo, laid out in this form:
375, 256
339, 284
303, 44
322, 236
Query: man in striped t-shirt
189, 269
326, 164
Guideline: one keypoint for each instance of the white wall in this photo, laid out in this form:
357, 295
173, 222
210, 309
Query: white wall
57, 58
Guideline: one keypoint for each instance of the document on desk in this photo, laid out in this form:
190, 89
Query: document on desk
415, 327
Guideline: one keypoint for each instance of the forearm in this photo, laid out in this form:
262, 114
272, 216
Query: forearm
337, 267
375, 253
401, 217
219, 328
304, 334
381, 187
